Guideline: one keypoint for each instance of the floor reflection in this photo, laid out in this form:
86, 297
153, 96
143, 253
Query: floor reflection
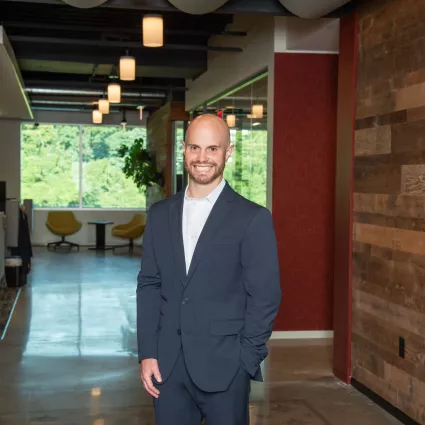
69, 356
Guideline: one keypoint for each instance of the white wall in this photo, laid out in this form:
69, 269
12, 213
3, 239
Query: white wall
10, 157
87, 235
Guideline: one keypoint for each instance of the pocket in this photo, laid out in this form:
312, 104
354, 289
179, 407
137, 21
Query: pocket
226, 326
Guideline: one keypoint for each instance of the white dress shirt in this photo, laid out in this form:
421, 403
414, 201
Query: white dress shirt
195, 214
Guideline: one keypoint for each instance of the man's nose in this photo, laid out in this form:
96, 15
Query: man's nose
202, 156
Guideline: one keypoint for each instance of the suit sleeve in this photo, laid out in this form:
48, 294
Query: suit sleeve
261, 278
148, 296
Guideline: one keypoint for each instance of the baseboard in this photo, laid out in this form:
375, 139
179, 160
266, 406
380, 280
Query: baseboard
302, 335
384, 404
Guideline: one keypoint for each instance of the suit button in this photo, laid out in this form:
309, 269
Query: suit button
185, 301
179, 332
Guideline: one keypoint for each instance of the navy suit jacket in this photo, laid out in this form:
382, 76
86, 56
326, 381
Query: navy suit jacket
221, 312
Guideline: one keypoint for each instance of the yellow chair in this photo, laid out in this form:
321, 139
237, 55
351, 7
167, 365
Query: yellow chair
131, 230
62, 223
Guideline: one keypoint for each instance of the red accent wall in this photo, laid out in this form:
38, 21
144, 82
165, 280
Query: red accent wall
304, 143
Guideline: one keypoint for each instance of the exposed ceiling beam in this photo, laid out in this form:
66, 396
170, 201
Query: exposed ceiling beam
90, 92
122, 30
121, 44
97, 85
96, 55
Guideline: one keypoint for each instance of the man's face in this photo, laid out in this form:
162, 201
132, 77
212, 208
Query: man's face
205, 155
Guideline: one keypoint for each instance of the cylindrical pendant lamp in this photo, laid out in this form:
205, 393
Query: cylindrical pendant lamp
153, 31
114, 93
97, 117
127, 68
104, 106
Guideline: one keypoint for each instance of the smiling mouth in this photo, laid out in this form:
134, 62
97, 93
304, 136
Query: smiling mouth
202, 167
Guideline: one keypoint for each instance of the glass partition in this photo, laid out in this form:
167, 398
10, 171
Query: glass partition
245, 111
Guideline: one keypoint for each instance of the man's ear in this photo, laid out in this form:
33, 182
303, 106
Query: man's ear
229, 151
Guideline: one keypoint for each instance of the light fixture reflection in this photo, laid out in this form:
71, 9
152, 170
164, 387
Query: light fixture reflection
96, 392
231, 120
257, 110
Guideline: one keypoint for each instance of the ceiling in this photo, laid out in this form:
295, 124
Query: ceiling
64, 49
67, 55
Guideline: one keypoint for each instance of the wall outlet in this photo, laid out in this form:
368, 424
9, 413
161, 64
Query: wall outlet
401, 347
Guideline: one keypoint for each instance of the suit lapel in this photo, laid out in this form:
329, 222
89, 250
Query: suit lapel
176, 214
217, 215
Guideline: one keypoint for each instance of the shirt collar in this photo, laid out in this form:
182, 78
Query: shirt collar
212, 197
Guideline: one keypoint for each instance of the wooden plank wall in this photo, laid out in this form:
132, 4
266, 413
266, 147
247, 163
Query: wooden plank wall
389, 204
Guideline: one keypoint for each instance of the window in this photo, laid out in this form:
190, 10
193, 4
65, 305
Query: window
76, 166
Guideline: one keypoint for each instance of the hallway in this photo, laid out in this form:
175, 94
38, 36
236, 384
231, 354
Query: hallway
69, 356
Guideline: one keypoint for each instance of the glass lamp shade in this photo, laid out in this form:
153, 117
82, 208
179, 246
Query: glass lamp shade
231, 120
114, 93
153, 31
127, 68
97, 117
104, 106
257, 111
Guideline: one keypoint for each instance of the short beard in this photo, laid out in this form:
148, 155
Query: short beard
219, 171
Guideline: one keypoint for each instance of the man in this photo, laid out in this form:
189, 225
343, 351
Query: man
208, 290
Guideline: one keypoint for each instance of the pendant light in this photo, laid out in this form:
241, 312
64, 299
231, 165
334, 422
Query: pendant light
124, 121
127, 68
114, 93
140, 108
104, 106
153, 31
97, 117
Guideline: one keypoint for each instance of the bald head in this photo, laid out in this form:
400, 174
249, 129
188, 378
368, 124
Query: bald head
206, 149
211, 125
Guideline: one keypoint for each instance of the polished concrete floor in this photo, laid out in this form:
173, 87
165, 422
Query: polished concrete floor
69, 358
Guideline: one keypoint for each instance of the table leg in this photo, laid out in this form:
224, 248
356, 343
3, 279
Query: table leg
100, 236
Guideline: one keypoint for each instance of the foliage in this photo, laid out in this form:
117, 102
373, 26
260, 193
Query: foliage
52, 173
139, 164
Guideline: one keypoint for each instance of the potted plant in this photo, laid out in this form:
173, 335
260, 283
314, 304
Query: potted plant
139, 164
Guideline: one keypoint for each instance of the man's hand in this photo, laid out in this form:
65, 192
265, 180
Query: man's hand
149, 368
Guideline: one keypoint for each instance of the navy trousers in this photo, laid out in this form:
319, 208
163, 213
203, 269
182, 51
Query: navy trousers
181, 402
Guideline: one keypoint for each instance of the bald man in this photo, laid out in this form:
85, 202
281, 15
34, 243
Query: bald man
208, 290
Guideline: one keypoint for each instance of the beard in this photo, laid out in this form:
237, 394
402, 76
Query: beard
204, 178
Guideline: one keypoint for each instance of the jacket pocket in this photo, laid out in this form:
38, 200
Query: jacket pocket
226, 326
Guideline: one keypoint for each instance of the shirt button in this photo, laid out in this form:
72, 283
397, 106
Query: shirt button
185, 301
